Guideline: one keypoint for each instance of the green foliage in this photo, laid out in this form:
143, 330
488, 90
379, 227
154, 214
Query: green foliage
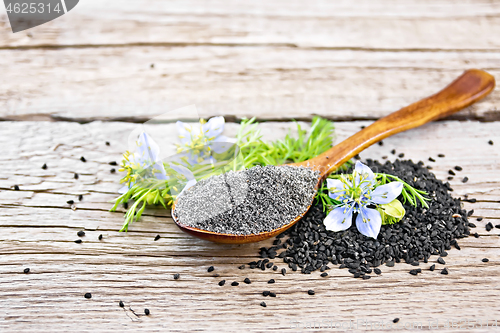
409, 193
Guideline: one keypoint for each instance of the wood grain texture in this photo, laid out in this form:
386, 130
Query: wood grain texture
38, 229
381, 24
270, 83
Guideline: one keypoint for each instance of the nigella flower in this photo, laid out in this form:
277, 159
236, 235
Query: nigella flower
198, 141
357, 192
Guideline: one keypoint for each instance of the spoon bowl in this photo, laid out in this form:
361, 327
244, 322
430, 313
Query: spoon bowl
470, 87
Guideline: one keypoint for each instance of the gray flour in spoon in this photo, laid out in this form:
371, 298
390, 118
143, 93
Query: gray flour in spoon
247, 202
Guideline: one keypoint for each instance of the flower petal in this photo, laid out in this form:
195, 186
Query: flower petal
214, 127
338, 219
364, 170
182, 170
369, 222
184, 131
384, 194
147, 148
337, 186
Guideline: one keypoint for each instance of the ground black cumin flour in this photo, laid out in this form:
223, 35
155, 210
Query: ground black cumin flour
422, 232
248, 202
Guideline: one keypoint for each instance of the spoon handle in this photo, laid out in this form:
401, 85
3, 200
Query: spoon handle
470, 87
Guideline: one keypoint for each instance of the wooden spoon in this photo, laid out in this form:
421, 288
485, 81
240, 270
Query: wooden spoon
470, 87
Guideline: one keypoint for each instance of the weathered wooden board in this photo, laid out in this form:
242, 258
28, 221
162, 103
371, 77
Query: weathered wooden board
387, 24
38, 229
276, 83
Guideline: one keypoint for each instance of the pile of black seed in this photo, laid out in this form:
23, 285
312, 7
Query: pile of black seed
248, 202
422, 232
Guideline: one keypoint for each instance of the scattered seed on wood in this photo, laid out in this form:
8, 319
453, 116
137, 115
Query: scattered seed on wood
441, 155
401, 155
78, 241
177, 276
76, 176
234, 284
275, 268
476, 235
121, 304
490, 142
247, 281
458, 168
489, 226
485, 260
384, 157
479, 219
81, 233
113, 163
157, 237
80, 197
393, 151
216, 275
366, 277
271, 281
283, 271
395, 320
16, 188
431, 159
100, 237
311, 292
381, 143
471, 225
470, 212
263, 304
444, 271
390, 264
146, 312
271, 294
465, 179
210, 269
451, 172
222, 282
88, 295
70, 202
26, 270
429, 167
377, 271
266, 293
450, 178
497, 226
125, 205
324, 274
107, 143
433, 267
413, 272
44, 166
241, 267
441, 261
112, 170
83, 159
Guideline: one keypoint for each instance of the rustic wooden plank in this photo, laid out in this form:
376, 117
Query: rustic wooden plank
38, 229
383, 24
271, 83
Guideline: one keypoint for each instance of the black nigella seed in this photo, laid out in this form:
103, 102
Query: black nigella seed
485, 260
210, 269
146, 312
465, 179
241, 267
497, 226
450, 178
275, 268
470, 212
381, 143
441, 261
489, 226
70, 202
78, 241
177, 276
444, 271
490, 142
112, 170
216, 275
222, 282
125, 205
121, 304
44, 166
366, 277
443, 254
283, 271
431, 159
263, 304
81, 233
16, 188
395, 320
76, 176
451, 172
234, 284
471, 225
266, 293
429, 167
113, 163
415, 263
441, 155
393, 151
324, 274
247, 281
390, 264
88, 295
271, 281
83, 159
377, 271
458, 168
107, 143
80, 197
311, 292
157, 237
433, 267
479, 219
401, 155
26, 270
271, 294
476, 235
100, 237
413, 272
